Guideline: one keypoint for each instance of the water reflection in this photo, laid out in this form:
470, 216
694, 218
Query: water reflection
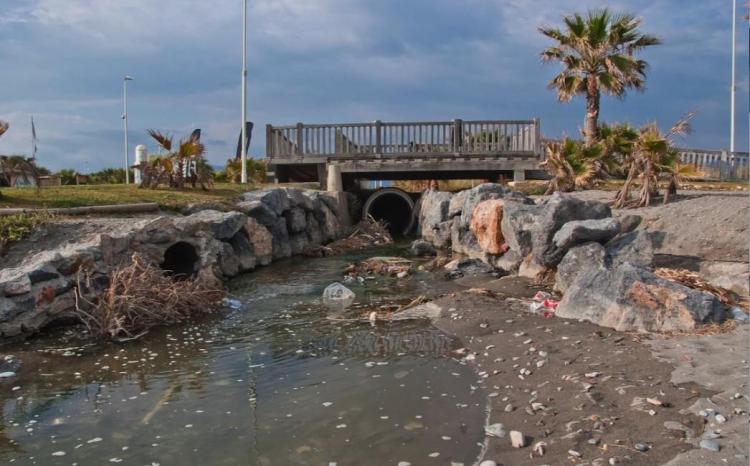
276, 383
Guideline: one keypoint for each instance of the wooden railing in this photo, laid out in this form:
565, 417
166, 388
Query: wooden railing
516, 137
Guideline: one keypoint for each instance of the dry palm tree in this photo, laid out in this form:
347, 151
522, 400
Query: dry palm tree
17, 165
184, 164
597, 53
654, 159
574, 166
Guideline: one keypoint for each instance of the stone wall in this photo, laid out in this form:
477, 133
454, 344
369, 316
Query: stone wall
208, 244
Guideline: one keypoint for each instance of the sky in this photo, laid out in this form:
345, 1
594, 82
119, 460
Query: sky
333, 61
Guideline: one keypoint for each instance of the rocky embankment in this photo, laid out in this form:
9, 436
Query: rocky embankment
40, 287
603, 265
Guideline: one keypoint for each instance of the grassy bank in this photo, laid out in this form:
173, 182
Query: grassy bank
90, 195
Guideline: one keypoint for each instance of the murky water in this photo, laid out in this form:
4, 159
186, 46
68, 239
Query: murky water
274, 383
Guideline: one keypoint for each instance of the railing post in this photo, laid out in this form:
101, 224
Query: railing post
457, 134
723, 165
538, 137
300, 140
269, 141
378, 137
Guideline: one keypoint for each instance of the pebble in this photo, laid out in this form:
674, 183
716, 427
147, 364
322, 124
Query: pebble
517, 439
720, 419
710, 445
404, 463
5, 375
58, 453
641, 447
574, 453
509, 408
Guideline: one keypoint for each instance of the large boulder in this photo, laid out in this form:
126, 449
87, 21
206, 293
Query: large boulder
259, 211
485, 224
433, 217
261, 240
296, 220
558, 210
577, 260
276, 199
519, 221
422, 248
635, 247
630, 298
580, 232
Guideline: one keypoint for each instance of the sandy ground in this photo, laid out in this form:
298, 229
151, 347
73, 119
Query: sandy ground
592, 384
707, 225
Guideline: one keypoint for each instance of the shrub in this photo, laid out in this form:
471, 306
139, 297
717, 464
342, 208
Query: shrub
141, 296
17, 227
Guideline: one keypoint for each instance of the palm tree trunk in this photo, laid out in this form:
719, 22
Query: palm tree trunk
591, 123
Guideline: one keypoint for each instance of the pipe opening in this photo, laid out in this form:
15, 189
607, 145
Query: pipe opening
180, 261
394, 207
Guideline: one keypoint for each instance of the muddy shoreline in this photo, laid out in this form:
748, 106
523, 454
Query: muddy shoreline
586, 394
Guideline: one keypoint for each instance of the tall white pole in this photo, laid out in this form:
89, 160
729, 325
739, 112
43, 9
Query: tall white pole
243, 149
734, 73
125, 124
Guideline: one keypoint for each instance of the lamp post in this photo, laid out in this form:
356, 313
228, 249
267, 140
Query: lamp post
125, 124
734, 73
243, 149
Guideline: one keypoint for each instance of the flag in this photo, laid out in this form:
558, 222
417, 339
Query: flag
249, 129
33, 139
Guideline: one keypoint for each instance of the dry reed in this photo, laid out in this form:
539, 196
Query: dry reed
139, 297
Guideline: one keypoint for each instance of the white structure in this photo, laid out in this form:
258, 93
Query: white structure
243, 157
141, 155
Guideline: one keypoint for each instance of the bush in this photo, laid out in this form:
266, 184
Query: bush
256, 171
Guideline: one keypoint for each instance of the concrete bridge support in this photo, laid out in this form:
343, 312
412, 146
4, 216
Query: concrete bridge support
335, 187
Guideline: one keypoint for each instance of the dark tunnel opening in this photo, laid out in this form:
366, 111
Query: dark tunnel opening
395, 208
180, 261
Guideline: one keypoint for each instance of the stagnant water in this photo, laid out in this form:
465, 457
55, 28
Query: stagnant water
274, 383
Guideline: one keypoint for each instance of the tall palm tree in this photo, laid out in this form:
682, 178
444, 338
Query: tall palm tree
597, 55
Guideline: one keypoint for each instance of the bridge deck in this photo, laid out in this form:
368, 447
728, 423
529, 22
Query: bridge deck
398, 150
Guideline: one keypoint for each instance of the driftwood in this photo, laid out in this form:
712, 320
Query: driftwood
695, 281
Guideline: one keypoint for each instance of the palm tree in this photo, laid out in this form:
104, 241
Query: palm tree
184, 164
574, 166
597, 54
654, 158
17, 165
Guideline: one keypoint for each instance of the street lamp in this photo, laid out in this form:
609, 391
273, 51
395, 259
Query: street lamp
125, 80
732, 110
243, 156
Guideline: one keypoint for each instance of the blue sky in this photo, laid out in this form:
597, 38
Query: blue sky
332, 61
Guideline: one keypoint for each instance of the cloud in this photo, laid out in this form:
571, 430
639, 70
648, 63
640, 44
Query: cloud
330, 61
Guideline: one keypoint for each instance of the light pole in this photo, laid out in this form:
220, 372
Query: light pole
734, 73
125, 124
243, 149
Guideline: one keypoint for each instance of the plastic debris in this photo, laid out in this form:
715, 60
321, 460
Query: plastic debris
337, 291
232, 303
5, 375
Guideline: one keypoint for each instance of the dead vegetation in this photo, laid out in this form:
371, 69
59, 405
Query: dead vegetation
695, 281
368, 233
139, 297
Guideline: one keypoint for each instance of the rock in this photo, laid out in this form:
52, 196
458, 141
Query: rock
261, 240
642, 447
636, 248
488, 463
558, 210
710, 445
298, 243
629, 223
258, 211
276, 199
720, 419
739, 315
222, 225
462, 267
17, 286
530, 268
433, 217
495, 430
629, 298
485, 223
576, 260
281, 246
297, 198
421, 248
539, 448
579, 232
733, 276
508, 263
517, 224
243, 250
338, 295
687, 432
517, 439
296, 220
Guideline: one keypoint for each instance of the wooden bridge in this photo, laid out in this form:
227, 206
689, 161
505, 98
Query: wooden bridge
457, 149
481, 149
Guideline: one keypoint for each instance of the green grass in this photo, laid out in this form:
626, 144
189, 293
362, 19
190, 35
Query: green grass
90, 195
16, 227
